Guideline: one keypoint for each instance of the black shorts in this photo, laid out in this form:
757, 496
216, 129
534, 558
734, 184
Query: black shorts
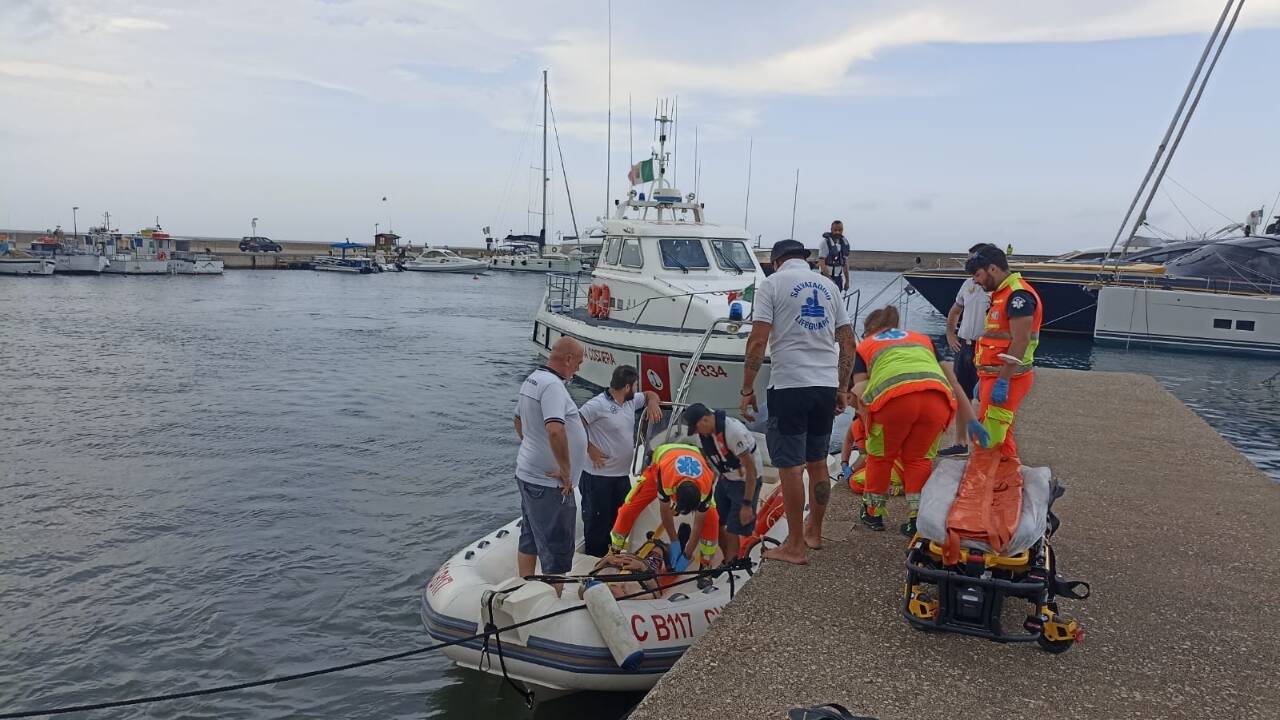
799, 426
966, 371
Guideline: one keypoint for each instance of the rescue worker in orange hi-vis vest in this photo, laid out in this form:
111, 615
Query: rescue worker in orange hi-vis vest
1005, 352
683, 481
910, 398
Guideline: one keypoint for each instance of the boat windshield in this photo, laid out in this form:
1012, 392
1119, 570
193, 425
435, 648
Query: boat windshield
732, 255
683, 253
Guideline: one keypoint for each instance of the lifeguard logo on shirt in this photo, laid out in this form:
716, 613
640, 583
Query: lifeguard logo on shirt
891, 334
688, 466
813, 314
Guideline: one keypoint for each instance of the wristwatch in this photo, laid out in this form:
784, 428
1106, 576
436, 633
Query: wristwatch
745, 393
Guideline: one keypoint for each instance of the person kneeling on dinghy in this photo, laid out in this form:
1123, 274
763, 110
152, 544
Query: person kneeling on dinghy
680, 478
731, 449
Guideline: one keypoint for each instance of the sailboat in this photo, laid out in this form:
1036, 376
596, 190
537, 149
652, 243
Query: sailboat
529, 253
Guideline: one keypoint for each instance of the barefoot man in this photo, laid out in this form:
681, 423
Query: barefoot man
800, 316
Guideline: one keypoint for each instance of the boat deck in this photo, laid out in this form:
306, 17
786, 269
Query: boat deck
1173, 527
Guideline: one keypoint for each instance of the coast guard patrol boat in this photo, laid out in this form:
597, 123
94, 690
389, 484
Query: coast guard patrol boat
663, 277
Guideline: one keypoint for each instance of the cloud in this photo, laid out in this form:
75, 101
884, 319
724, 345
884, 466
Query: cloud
129, 24
45, 72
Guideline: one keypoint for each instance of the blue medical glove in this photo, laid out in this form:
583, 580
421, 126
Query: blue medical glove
846, 472
678, 561
979, 433
1000, 391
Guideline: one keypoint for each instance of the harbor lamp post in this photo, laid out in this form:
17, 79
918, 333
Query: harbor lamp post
254, 224
375, 229
75, 229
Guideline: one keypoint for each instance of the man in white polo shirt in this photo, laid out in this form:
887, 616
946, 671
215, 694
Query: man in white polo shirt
798, 315
610, 420
965, 324
553, 446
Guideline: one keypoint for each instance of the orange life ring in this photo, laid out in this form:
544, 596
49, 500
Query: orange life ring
603, 302
160, 255
592, 296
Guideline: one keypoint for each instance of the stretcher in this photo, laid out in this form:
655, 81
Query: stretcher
969, 596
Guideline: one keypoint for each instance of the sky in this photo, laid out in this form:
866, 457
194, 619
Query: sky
922, 124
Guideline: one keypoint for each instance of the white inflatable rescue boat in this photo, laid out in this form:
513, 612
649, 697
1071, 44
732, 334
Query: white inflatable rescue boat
607, 644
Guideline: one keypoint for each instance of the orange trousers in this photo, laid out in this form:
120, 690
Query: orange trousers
644, 492
908, 427
998, 419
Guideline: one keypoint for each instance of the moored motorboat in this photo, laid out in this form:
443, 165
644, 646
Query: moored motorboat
197, 263
343, 263
13, 262
443, 260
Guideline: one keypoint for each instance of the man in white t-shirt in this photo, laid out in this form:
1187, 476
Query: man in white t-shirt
553, 447
965, 324
799, 317
731, 449
610, 420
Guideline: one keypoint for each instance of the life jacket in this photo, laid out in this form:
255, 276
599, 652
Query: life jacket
716, 449
900, 362
675, 463
997, 336
836, 250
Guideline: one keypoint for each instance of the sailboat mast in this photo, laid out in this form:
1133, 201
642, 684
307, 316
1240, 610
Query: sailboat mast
542, 236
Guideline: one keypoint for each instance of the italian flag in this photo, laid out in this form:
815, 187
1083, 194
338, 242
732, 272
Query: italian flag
641, 172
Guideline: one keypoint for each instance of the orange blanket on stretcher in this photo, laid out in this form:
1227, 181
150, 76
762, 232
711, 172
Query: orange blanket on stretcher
988, 504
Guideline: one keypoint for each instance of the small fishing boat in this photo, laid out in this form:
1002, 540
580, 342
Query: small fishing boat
443, 260
197, 263
343, 263
16, 262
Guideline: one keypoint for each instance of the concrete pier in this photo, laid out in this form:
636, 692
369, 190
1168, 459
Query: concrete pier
1175, 530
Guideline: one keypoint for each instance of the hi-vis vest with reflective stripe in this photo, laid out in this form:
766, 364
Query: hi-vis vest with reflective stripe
900, 362
671, 465
997, 336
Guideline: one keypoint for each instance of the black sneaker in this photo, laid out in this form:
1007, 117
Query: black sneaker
954, 450
870, 522
908, 528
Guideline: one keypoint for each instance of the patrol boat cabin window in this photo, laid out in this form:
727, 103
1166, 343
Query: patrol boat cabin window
683, 254
614, 247
732, 255
630, 255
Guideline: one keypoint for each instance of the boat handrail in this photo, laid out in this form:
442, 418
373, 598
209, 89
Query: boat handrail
679, 399
568, 288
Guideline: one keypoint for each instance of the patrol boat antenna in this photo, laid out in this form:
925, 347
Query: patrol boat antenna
663, 197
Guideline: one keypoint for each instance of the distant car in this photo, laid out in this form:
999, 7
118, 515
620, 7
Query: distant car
259, 244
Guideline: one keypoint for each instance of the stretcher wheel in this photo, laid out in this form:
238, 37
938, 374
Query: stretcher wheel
1057, 647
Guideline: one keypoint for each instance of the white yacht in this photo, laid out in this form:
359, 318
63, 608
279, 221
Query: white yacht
1224, 297
524, 256
443, 260
664, 277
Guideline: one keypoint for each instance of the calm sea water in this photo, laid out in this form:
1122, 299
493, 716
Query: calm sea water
213, 480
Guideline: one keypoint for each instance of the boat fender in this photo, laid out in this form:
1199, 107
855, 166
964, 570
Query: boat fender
160, 255
613, 626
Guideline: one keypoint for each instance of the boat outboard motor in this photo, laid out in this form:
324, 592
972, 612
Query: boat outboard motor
613, 626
